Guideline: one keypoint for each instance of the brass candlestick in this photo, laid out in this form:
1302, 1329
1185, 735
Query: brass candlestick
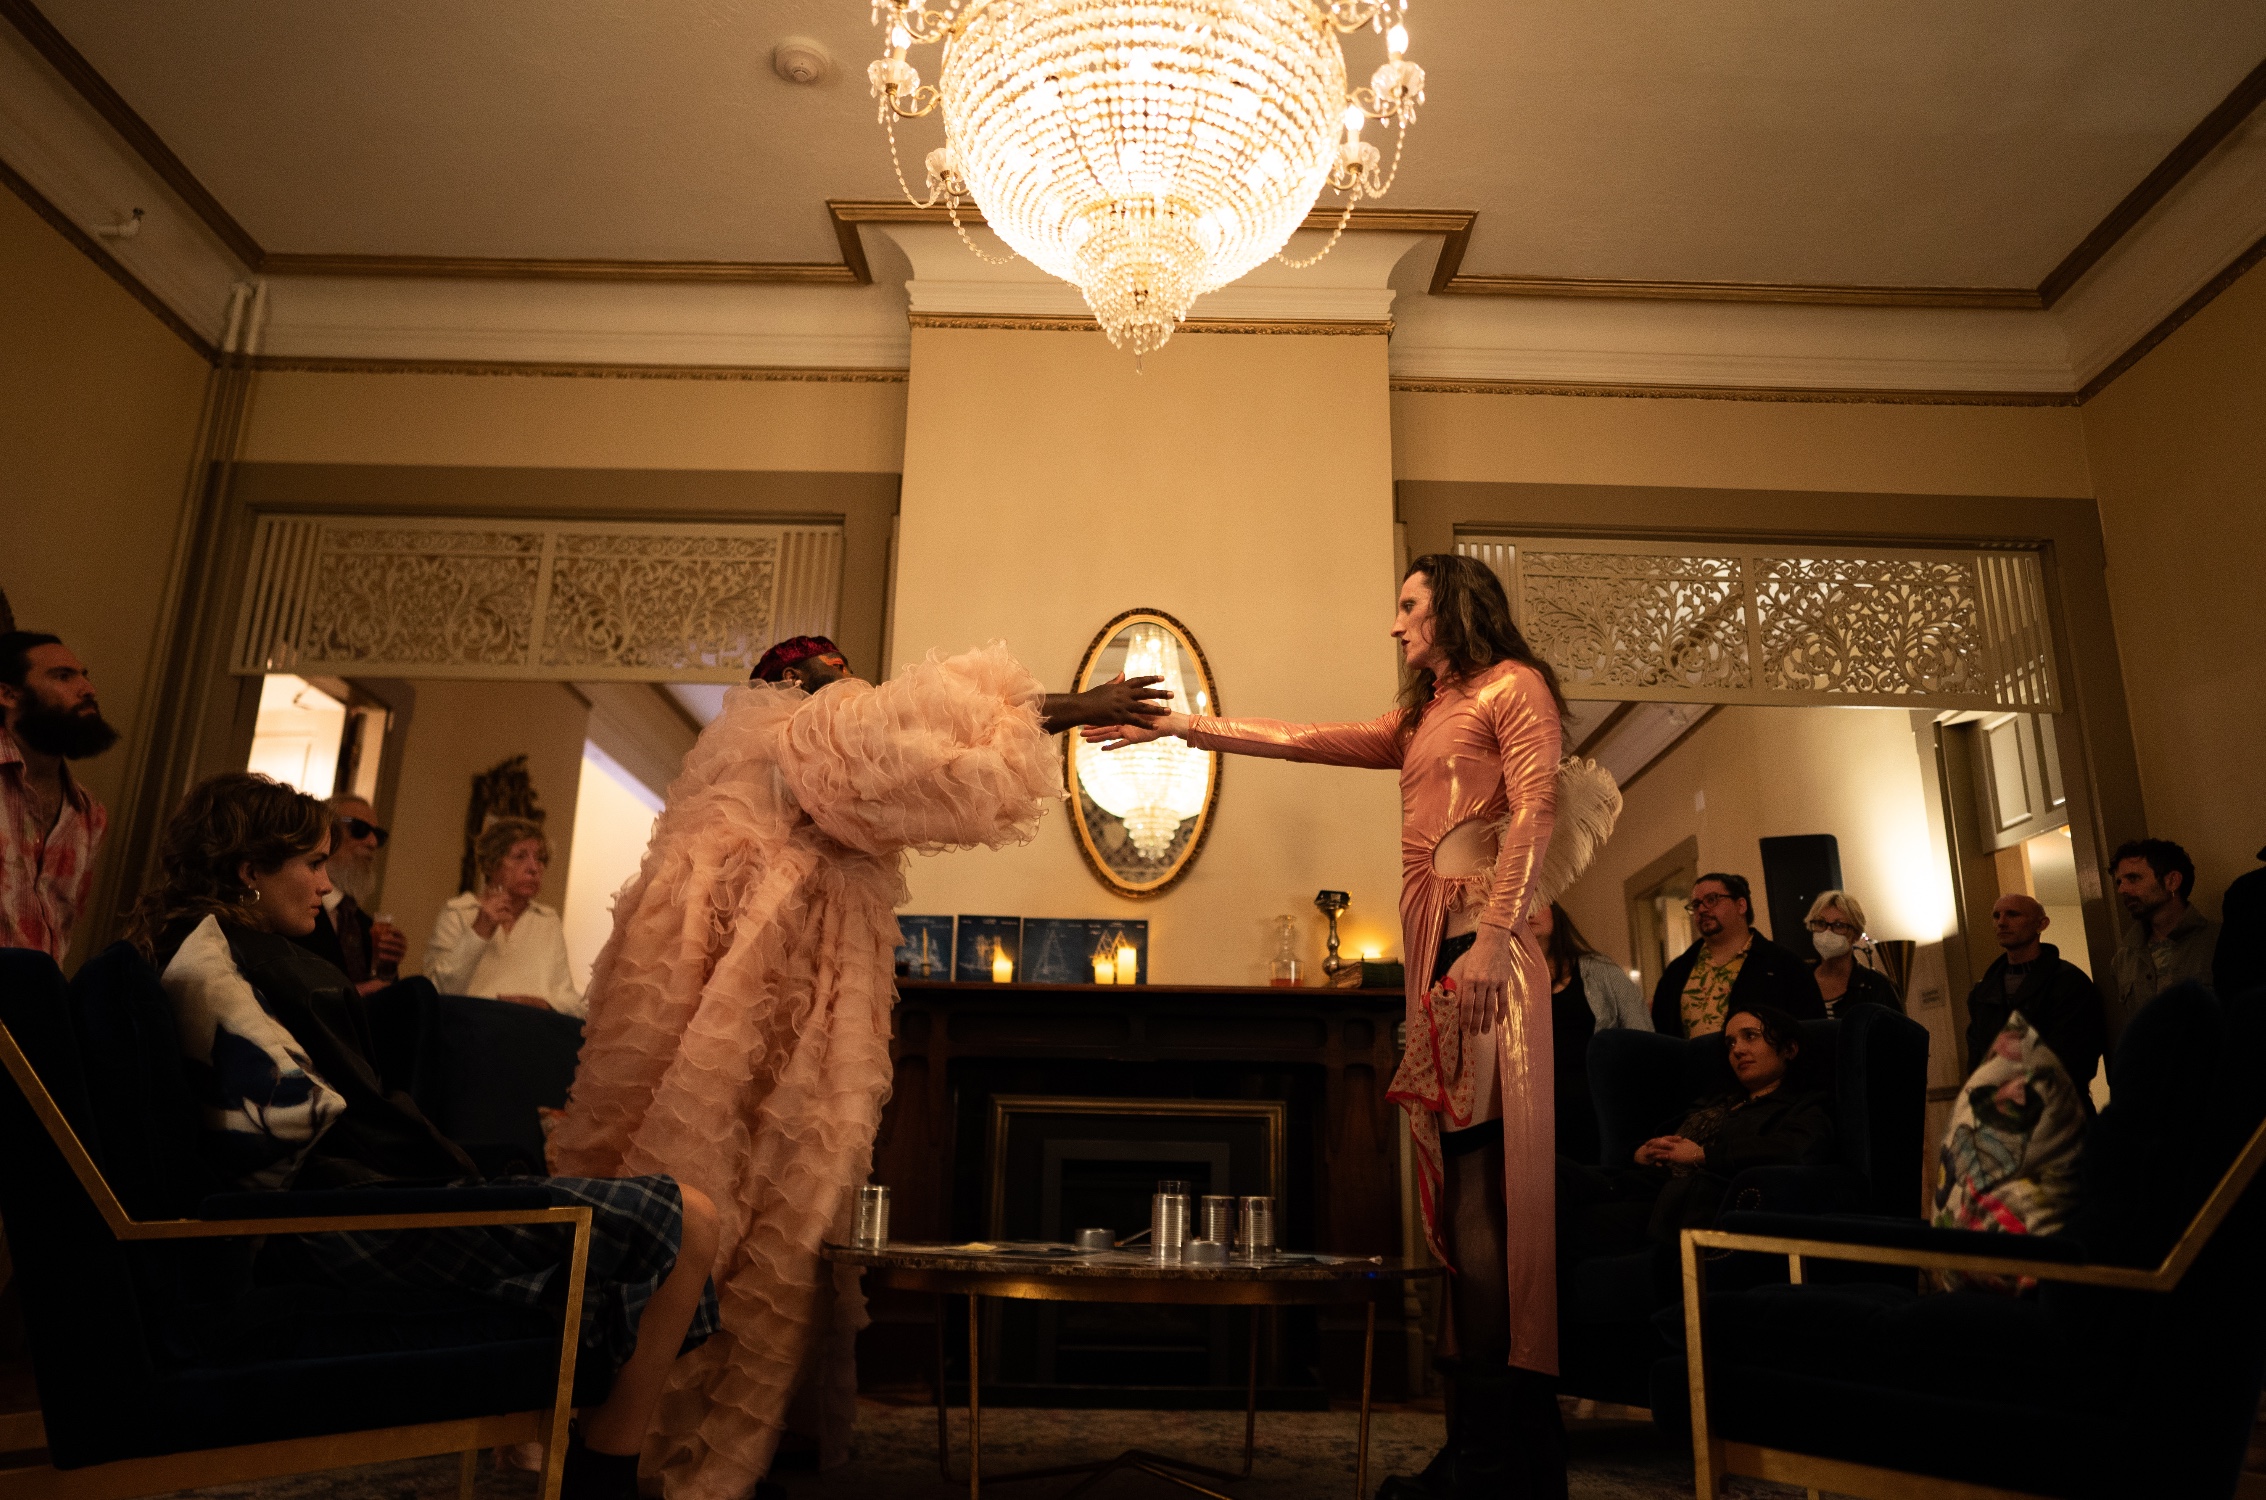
1329, 904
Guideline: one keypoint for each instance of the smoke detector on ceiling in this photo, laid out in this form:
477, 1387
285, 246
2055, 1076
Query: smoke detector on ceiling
798, 59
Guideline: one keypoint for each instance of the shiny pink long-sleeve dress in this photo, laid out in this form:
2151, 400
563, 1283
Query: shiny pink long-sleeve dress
738, 1037
1485, 751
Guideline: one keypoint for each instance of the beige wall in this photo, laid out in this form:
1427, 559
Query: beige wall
99, 408
1779, 445
456, 731
1753, 773
526, 421
2178, 447
1240, 484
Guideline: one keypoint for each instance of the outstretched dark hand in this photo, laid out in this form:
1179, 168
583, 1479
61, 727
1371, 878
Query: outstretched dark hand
1116, 701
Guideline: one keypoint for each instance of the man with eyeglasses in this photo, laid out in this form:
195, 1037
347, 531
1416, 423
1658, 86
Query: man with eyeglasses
365, 950
1731, 966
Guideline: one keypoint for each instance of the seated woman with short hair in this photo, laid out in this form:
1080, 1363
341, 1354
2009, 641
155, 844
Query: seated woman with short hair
1677, 1180
277, 1049
500, 943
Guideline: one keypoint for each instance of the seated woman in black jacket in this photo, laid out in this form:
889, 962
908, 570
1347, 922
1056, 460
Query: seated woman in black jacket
277, 1046
1678, 1180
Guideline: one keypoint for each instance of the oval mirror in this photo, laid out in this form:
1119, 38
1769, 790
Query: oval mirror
1142, 812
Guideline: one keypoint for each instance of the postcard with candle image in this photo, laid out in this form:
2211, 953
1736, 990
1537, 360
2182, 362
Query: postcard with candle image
980, 945
1076, 950
926, 952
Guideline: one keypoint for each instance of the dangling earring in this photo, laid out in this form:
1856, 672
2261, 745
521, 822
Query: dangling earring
253, 899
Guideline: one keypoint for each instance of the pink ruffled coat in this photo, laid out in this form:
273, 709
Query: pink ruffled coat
739, 1016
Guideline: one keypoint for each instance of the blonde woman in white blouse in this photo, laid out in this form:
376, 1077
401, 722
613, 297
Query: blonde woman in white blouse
502, 943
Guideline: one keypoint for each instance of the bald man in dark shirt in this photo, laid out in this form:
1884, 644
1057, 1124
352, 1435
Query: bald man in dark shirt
2053, 994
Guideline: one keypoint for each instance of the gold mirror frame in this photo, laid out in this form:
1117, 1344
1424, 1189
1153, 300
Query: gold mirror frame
1085, 814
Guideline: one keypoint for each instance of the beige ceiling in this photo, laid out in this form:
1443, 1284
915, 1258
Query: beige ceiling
1926, 143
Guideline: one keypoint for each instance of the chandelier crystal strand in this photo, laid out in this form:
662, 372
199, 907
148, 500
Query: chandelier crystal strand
1147, 151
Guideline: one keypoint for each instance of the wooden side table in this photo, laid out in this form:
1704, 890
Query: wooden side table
1056, 1273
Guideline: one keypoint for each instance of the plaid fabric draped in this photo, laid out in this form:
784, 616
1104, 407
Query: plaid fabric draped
636, 1226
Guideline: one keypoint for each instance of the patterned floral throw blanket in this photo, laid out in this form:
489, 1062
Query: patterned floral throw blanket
2008, 1164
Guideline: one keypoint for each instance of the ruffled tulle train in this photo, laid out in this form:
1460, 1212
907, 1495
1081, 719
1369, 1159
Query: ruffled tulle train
738, 1036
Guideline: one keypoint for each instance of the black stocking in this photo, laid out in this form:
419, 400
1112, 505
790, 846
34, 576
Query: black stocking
1513, 1412
1478, 1233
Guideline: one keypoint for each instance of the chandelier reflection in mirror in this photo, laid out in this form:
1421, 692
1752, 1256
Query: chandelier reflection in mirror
1142, 812
1146, 151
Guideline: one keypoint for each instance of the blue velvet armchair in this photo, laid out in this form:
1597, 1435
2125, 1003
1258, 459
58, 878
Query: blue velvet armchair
2132, 1369
1875, 1065
163, 1360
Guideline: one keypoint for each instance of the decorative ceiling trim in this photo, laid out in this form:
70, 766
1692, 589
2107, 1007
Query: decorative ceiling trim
1039, 323
2214, 128
1853, 395
499, 268
849, 213
2234, 272
1454, 226
313, 365
107, 263
2021, 299
106, 101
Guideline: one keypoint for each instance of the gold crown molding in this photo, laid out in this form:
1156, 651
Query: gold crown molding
2171, 321
1454, 226
1041, 323
107, 263
486, 268
317, 365
2004, 297
107, 102
2183, 158
1423, 385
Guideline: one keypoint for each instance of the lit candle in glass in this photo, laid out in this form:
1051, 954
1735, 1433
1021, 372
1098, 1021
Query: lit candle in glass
1128, 965
1105, 969
1002, 967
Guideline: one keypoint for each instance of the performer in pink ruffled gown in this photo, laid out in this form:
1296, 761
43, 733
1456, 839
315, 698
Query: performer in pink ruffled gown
739, 1016
1476, 741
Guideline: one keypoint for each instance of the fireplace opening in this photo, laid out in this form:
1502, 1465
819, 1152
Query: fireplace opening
1061, 1164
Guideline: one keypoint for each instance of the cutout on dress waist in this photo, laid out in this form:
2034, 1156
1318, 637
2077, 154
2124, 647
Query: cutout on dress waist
1465, 850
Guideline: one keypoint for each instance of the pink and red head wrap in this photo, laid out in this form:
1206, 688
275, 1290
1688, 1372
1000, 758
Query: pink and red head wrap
796, 648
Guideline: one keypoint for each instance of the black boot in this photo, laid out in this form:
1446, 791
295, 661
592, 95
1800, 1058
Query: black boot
596, 1476
1537, 1436
1477, 1462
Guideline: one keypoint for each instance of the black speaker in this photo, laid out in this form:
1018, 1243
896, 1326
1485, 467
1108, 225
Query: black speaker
1795, 870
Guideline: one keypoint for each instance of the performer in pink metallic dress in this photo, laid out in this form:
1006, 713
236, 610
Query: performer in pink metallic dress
1476, 741
740, 1013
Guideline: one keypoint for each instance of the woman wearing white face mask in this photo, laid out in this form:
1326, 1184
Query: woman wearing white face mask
1837, 928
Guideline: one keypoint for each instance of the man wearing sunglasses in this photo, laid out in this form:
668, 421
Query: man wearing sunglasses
367, 951
1730, 967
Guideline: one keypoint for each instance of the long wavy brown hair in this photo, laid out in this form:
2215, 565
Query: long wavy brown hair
1471, 627
224, 823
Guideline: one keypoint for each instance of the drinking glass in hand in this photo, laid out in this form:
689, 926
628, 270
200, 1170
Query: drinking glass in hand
387, 969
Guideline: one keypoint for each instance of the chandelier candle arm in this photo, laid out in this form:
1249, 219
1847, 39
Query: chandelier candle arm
1147, 151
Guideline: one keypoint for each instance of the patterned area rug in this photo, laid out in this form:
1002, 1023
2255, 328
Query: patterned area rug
1301, 1456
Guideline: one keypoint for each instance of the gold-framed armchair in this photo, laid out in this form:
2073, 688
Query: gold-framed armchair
2113, 1379
127, 1409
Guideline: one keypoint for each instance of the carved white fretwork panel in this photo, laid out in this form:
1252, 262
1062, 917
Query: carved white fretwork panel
1722, 622
557, 600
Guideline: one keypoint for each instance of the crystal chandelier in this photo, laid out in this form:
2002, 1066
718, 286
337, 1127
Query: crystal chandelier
1155, 787
1147, 151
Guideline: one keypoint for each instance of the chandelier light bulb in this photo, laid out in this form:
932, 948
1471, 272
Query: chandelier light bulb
1147, 151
